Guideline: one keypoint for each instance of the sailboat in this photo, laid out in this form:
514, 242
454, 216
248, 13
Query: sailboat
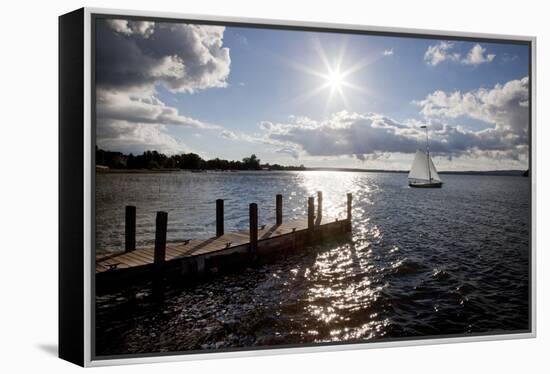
423, 173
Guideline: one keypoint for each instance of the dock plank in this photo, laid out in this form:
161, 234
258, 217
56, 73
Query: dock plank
139, 255
177, 249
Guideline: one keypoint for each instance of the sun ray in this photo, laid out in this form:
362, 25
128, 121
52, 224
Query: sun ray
309, 94
303, 68
335, 78
361, 64
340, 58
321, 52
343, 97
354, 86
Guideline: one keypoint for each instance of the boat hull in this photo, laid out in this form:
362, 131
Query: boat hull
426, 185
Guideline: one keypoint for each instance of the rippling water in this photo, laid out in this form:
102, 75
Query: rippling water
422, 262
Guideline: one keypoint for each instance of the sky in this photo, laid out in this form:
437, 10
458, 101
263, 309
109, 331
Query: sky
313, 98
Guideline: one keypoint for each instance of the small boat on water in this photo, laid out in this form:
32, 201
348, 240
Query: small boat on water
423, 173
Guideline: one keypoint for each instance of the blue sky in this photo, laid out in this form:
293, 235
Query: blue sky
319, 99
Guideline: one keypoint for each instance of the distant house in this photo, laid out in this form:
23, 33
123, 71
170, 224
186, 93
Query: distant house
101, 168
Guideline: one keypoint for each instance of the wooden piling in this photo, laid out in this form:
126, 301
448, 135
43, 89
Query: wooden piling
319, 203
219, 217
310, 213
279, 209
130, 229
160, 239
349, 211
159, 256
253, 209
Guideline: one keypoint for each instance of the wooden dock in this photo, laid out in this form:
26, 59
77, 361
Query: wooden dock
197, 257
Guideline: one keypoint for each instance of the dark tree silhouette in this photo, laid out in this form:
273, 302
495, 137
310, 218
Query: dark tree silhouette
252, 163
153, 160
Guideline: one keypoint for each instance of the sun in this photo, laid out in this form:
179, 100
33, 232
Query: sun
336, 75
334, 80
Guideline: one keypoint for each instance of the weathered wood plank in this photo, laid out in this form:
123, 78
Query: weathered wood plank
173, 250
128, 260
136, 257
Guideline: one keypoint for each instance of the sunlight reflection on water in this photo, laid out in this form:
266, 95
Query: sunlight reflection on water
334, 189
340, 266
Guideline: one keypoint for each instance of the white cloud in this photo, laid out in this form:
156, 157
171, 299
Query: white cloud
228, 135
142, 28
133, 59
140, 107
440, 52
182, 57
265, 125
344, 133
505, 106
136, 138
291, 151
388, 52
478, 55
445, 51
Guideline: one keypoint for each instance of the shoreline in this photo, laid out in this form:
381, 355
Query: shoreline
503, 173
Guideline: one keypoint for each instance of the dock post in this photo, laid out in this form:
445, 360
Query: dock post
253, 229
319, 204
160, 239
219, 217
159, 256
279, 209
130, 229
349, 212
310, 213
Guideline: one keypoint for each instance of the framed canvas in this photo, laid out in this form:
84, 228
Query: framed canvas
240, 186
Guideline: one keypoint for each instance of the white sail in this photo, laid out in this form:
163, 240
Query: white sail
419, 169
433, 171
423, 168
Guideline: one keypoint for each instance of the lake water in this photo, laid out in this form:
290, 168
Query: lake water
421, 262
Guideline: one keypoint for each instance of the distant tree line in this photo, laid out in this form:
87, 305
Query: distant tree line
154, 160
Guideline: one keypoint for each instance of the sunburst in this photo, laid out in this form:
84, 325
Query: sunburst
335, 80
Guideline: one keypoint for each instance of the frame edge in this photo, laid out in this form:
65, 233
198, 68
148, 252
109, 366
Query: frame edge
70, 152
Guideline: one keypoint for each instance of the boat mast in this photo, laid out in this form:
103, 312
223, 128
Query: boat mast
427, 152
